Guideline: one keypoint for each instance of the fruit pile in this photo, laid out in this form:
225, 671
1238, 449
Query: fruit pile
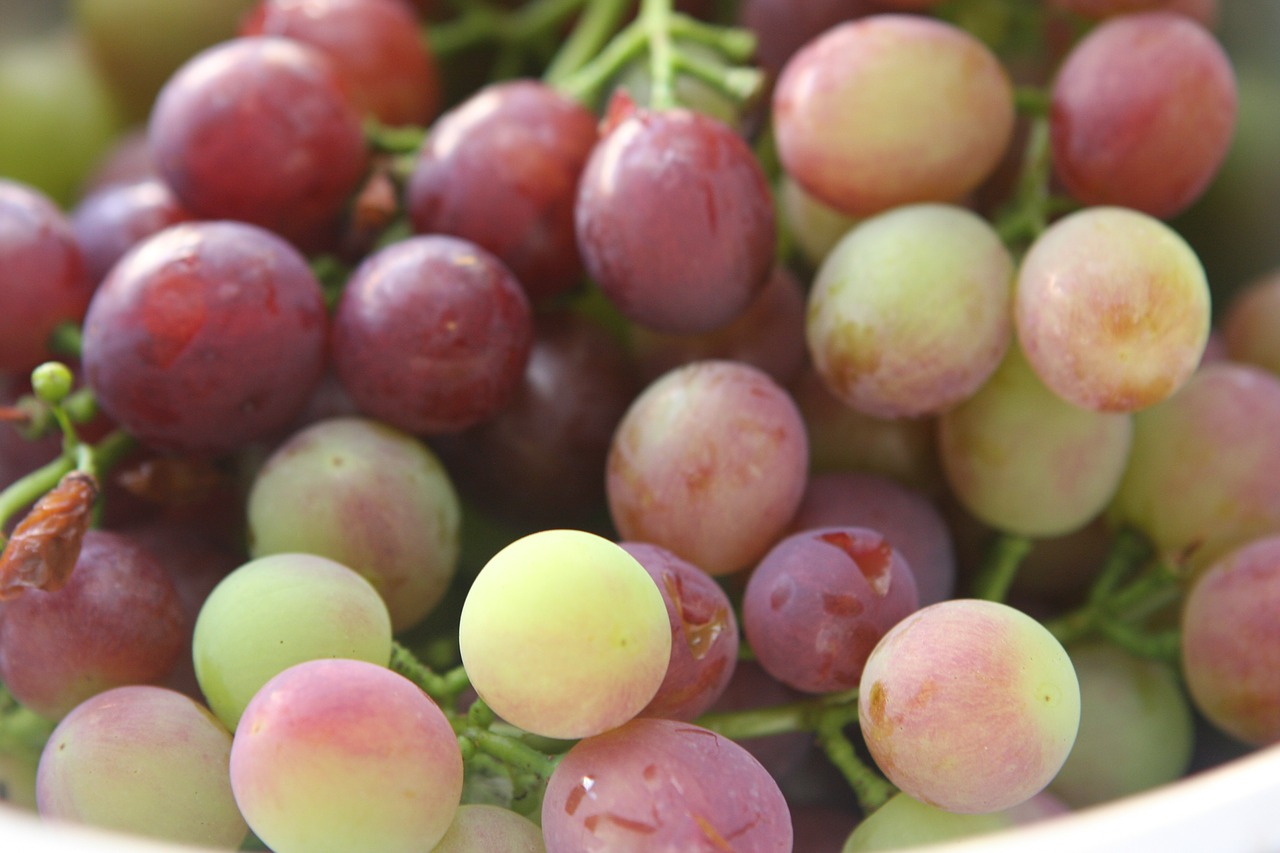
601, 425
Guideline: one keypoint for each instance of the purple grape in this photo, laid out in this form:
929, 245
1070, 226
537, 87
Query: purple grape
704, 634
260, 130
675, 221
502, 169
205, 337
820, 600
432, 335
108, 223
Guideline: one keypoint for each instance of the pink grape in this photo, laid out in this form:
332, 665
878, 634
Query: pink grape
1155, 142
335, 755
145, 760
663, 785
1224, 499
1229, 647
109, 222
889, 110
1251, 323
1112, 309
710, 463
969, 705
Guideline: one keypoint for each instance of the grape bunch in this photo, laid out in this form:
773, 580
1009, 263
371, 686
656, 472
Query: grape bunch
629, 425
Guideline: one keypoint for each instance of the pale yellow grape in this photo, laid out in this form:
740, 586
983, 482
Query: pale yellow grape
564, 633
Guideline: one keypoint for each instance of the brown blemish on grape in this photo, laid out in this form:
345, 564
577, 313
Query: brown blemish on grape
650, 772
840, 604
575, 797
700, 629
873, 557
629, 824
709, 832
876, 704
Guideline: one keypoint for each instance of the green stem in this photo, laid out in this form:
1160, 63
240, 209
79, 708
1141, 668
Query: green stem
599, 22
476, 25
66, 339
1128, 552
871, 789
1028, 216
586, 83
444, 689
655, 16
1032, 100
513, 752
1000, 566
738, 83
804, 715
737, 44
30, 488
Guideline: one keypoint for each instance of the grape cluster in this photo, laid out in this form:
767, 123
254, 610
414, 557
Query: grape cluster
598, 425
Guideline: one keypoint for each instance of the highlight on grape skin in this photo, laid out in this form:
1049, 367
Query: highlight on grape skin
969, 705
564, 634
339, 755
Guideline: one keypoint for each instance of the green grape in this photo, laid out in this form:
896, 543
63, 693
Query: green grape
277, 611
481, 828
565, 634
904, 821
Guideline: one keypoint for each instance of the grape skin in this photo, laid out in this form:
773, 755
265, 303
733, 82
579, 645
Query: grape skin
277, 611
565, 634
146, 760
341, 755
480, 828
710, 463
969, 705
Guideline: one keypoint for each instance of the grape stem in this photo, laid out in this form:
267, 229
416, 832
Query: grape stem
1000, 566
827, 717
1116, 607
444, 689
21, 730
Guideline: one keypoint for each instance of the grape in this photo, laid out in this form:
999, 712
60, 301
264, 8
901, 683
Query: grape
1201, 10
1250, 321
431, 335
1180, 448
769, 334
1229, 650
1154, 143
107, 223
969, 705
59, 115
260, 130
1135, 727
710, 463
663, 785
127, 161
552, 439
889, 110
479, 828
704, 634
375, 45
815, 226
675, 221
1025, 461
1112, 309
205, 337
844, 439
340, 755
43, 280
783, 27
906, 822
144, 760
564, 634
878, 331
501, 169
18, 779
117, 621
820, 600
279, 610
904, 516
369, 497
